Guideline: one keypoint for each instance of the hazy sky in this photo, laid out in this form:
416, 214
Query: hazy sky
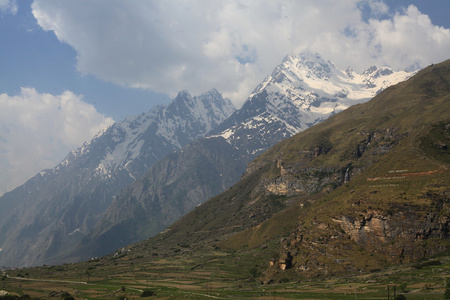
69, 68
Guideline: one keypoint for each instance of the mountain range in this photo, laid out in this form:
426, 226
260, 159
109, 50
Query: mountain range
128, 184
287, 102
52, 211
356, 206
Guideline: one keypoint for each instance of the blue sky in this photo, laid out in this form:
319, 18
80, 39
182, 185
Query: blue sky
69, 68
32, 57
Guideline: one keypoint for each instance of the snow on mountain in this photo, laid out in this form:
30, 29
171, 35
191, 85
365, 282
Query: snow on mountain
71, 197
185, 119
302, 91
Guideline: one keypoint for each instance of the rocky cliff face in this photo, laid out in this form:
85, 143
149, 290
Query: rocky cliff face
377, 229
305, 176
367, 240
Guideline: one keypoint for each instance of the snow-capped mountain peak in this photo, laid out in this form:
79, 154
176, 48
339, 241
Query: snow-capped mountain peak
140, 139
185, 119
311, 82
304, 90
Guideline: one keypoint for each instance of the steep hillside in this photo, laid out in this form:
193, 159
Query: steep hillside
172, 187
366, 189
301, 91
47, 216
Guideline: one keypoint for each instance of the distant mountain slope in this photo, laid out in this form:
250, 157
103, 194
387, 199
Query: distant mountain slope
169, 190
45, 217
302, 90
366, 189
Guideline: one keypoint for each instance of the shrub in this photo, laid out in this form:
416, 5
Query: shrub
254, 272
447, 289
148, 293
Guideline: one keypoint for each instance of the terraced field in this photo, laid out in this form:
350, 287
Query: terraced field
216, 275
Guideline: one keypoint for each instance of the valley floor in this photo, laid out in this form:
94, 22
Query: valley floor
218, 275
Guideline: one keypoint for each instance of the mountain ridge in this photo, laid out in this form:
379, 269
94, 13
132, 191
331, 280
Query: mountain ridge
248, 132
294, 97
54, 209
380, 193
287, 102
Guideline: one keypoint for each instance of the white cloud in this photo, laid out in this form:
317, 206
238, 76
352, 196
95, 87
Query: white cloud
38, 130
232, 45
377, 8
8, 6
406, 40
410, 39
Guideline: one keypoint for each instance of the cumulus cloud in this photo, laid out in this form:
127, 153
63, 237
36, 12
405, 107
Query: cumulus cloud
406, 40
38, 130
232, 45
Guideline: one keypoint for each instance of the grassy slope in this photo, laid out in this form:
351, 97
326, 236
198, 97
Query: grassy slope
418, 113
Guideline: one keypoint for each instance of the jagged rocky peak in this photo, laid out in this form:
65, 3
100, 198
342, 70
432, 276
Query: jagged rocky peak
316, 64
214, 102
212, 111
208, 110
182, 101
183, 95
306, 63
350, 73
308, 73
375, 72
213, 95
183, 120
211, 99
122, 142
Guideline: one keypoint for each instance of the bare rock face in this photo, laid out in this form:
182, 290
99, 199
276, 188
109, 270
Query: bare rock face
377, 230
367, 239
305, 176
372, 226
285, 262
